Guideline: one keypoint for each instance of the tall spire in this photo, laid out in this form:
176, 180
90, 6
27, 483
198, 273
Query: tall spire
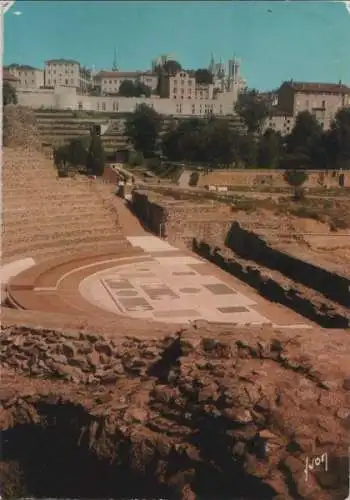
212, 63
115, 67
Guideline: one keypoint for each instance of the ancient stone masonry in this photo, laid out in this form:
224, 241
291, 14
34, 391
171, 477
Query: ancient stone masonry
267, 399
251, 246
272, 178
275, 286
180, 222
79, 358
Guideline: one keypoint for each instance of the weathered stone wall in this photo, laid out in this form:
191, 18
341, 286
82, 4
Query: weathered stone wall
275, 287
272, 178
80, 358
151, 213
181, 221
253, 247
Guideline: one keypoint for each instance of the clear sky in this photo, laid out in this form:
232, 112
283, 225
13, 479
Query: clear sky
304, 40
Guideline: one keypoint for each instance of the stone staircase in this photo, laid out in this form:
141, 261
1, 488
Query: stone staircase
46, 216
60, 128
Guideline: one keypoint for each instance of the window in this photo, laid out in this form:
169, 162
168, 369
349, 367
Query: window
189, 83
193, 109
54, 82
98, 106
80, 105
25, 82
66, 80
182, 82
103, 106
115, 106
323, 104
110, 81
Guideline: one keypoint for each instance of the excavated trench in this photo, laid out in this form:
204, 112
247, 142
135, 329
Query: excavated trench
54, 458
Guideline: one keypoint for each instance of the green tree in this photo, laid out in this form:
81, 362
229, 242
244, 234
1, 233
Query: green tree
142, 128
95, 160
203, 76
171, 67
219, 143
130, 89
253, 109
246, 153
305, 140
270, 149
296, 178
9, 94
337, 140
78, 149
127, 89
209, 141
183, 142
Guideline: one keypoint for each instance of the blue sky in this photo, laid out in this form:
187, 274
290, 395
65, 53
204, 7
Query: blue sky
304, 40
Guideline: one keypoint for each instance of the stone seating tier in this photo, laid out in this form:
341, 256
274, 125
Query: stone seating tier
57, 247
39, 230
62, 276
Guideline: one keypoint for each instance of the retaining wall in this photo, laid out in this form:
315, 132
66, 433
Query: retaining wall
272, 178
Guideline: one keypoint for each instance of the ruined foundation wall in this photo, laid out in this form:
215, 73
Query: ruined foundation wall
250, 246
273, 178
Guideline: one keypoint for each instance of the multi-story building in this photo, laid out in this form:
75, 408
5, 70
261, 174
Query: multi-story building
67, 73
109, 81
323, 100
183, 85
150, 79
10, 78
27, 76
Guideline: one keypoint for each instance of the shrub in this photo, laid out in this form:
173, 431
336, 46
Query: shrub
135, 158
95, 161
194, 178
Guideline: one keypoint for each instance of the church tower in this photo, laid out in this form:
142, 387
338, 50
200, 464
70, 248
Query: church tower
212, 64
115, 67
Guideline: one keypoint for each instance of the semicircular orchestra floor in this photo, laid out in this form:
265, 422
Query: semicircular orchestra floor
153, 282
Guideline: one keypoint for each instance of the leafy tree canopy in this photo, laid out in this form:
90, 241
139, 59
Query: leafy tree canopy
203, 76
270, 149
9, 94
306, 135
171, 67
253, 109
130, 89
142, 129
337, 140
95, 159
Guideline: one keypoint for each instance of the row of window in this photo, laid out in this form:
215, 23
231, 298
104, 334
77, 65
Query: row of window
26, 82
189, 83
27, 73
66, 81
66, 72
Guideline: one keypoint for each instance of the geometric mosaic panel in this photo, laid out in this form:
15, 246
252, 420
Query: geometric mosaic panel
136, 305
219, 289
233, 309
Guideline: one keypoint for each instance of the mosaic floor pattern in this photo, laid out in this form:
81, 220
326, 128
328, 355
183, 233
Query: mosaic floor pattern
169, 290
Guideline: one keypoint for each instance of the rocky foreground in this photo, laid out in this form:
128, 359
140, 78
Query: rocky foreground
204, 413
